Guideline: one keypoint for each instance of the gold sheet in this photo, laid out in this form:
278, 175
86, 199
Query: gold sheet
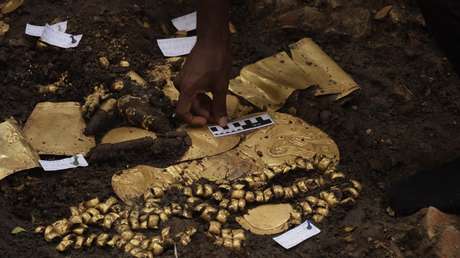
268, 83
267, 219
15, 152
322, 70
123, 134
57, 129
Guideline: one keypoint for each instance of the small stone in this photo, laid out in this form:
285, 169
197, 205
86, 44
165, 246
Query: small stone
390, 212
369, 131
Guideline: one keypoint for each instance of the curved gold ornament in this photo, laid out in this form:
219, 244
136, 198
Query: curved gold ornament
290, 138
267, 219
133, 183
123, 134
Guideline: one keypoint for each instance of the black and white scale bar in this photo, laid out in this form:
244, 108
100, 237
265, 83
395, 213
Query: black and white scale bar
243, 125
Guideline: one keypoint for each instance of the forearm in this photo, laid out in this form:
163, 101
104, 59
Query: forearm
213, 19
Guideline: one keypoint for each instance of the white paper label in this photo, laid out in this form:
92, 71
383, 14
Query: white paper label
62, 164
297, 235
185, 23
37, 31
177, 46
242, 125
60, 39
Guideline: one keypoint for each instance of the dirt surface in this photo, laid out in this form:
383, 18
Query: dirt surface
406, 116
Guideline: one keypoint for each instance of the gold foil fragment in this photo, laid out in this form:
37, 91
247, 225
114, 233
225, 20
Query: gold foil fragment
269, 82
123, 134
322, 70
289, 139
267, 219
57, 129
133, 183
15, 154
204, 144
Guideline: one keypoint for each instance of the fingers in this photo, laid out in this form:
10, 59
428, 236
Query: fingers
183, 110
201, 106
219, 104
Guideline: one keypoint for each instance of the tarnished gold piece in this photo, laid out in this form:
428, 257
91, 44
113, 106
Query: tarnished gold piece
123, 134
290, 138
15, 152
322, 70
204, 144
11, 5
4, 28
267, 219
57, 129
268, 83
133, 183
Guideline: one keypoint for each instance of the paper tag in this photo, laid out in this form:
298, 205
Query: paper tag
37, 31
55, 165
177, 46
242, 125
59, 39
185, 23
297, 235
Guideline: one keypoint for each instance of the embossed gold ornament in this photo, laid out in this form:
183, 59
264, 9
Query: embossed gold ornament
15, 154
133, 183
57, 129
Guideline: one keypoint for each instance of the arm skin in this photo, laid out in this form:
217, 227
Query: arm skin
207, 68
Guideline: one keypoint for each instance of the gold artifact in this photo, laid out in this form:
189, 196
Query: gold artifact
322, 70
267, 219
268, 83
134, 182
123, 134
57, 129
204, 144
287, 143
15, 154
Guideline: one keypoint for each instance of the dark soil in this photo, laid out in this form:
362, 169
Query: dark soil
405, 118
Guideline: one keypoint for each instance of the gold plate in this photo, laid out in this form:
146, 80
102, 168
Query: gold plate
322, 70
286, 141
15, 154
267, 219
123, 134
204, 144
133, 183
268, 83
57, 129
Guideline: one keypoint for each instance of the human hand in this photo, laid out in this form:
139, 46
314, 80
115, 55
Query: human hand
207, 69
